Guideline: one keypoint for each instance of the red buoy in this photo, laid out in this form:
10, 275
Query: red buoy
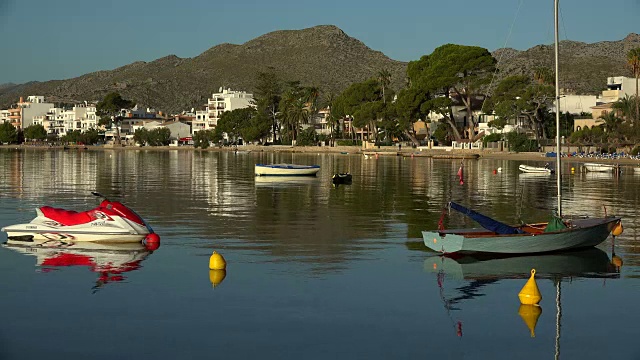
152, 241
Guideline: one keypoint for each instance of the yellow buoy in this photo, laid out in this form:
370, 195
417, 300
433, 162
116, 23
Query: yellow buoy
530, 295
530, 315
216, 276
573, 170
617, 229
217, 262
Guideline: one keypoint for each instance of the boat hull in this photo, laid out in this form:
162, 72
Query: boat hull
286, 170
594, 167
585, 233
534, 169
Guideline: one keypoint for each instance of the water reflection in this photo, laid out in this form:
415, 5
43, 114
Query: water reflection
479, 271
283, 181
216, 277
109, 261
586, 263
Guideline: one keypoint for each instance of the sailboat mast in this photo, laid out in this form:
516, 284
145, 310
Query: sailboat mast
558, 167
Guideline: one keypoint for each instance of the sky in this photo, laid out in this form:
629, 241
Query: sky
52, 40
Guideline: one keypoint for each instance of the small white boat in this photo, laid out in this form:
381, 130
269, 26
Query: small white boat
286, 170
535, 169
595, 167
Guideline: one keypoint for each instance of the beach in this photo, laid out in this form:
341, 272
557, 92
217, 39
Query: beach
345, 150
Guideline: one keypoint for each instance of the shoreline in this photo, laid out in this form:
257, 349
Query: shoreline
345, 150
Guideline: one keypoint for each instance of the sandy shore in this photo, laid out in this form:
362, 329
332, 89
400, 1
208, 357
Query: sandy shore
346, 150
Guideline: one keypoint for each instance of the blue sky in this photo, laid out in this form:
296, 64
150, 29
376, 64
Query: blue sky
46, 40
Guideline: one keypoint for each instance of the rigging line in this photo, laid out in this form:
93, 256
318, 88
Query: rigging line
502, 53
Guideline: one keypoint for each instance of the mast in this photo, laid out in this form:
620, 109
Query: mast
558, 167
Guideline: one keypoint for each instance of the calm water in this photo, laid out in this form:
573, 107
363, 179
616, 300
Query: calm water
314, 271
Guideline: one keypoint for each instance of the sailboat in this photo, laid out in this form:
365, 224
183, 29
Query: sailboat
496, 237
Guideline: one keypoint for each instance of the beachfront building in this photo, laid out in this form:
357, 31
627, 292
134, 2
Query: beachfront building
576, 104
60, 121
34, 107
617, 88
220, 102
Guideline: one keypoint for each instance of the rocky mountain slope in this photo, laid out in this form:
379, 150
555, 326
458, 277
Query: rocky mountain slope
322, 56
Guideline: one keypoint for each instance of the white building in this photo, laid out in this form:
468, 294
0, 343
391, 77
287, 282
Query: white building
32, 108
225, 100
618, 87
4, 116
576, 104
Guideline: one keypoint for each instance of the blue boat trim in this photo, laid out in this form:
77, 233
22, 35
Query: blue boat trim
485, 221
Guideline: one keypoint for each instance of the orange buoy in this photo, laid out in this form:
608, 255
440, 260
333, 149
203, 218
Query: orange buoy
530, 295
617, 229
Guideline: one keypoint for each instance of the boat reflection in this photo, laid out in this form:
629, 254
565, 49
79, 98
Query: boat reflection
479, 271
586, 263
109, 261
284, 181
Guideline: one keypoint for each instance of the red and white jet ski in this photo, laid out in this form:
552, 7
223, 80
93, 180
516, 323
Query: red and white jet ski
110, 222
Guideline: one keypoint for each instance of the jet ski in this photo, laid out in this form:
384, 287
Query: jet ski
110, 222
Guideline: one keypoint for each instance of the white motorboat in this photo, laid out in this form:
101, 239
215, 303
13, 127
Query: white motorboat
286, 170
595, 167
536, 169
111, 222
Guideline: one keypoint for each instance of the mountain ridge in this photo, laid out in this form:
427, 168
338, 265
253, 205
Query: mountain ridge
323, 56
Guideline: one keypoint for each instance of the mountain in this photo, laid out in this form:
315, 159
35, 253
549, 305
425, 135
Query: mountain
584, 68
322, 56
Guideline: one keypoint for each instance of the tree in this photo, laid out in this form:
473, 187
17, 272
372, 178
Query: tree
294, 109
633, 60
384, 78
141, 136
242, 123
409, 109
458, 69
8, 133
519, 96
202, 138
160, 136
359, 102
611, 121
626, 107
109, 110
267, 99
35, 132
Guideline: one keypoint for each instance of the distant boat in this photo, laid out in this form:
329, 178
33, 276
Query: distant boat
342, 178
286, 170
536, 169
595, 167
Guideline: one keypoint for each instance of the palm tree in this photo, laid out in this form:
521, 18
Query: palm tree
384, 78
625, 107
543, 76
311, 95
611, 121
633, 60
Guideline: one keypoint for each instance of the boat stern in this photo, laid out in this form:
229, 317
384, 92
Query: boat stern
443, 243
